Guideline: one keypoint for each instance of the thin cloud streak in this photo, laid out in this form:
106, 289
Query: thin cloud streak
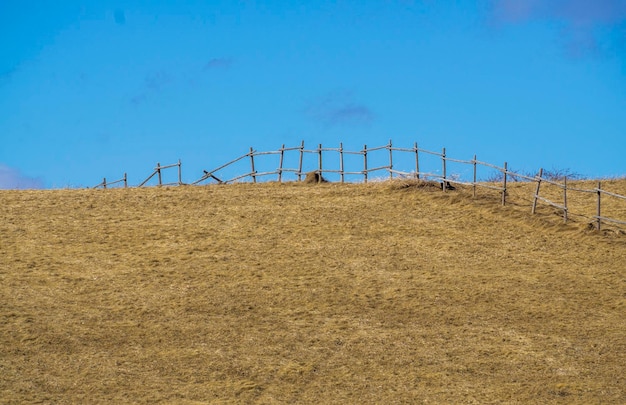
349, 114
339, 109
218, 63
574, 12
12, 179
581, 19
153, 84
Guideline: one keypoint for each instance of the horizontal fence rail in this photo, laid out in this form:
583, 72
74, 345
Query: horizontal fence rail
386, 164
106, 184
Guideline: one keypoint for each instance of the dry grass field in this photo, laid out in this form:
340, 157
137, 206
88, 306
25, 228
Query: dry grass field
291, 293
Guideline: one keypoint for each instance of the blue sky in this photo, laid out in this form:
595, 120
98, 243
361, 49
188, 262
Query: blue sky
93, 89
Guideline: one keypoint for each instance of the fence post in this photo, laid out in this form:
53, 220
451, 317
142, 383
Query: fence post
599, 190
180, 173
319, 162
125, 181
474, 182
417, 161
565, 199
252, 164
504, 184
365, 163
390, 161
300, 165
280, 165
104, 182
537, 190
443, 160
158, 169
341, 160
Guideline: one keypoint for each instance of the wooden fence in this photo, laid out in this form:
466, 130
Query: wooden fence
106, 184
319, 152
158, 172
321, 156
598, 191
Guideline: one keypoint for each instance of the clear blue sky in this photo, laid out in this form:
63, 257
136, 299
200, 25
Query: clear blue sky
90, 89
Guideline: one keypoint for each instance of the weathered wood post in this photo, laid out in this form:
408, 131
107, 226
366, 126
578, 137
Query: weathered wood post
180, 173
125, 181
504, 184
390, 161
417, 161
534, 209
598, 211
565, 199
158, 170
300, 164
341, 160
280, 164
365, 163
104, 182
252, 164
319, 162
443, 160
474, 182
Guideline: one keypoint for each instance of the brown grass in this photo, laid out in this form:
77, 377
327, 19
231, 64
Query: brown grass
270, 293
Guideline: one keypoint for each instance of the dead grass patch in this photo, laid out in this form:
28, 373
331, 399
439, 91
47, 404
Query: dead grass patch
353, 293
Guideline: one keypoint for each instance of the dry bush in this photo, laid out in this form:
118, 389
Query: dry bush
314, 178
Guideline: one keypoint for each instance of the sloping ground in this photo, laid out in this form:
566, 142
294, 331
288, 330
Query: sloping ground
329, 293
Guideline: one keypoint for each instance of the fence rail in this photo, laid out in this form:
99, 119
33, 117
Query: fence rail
106, 184
157, 172
321, 156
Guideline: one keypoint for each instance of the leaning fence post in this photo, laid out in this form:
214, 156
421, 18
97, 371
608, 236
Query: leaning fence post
537, 190
252, 164
474, 182
149, 177
599, 191
417, 161
504, 184
365, 163
443, 160
280, 165
319, 162
158, 169
341, 160
390, 160
300, 165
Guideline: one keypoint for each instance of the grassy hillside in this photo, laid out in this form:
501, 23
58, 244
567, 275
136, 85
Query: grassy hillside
273, 293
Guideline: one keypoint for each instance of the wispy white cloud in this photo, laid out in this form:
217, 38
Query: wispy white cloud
340, 108
581, 19
13, 179
153, 84
218, 63
575, 12
157, 81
